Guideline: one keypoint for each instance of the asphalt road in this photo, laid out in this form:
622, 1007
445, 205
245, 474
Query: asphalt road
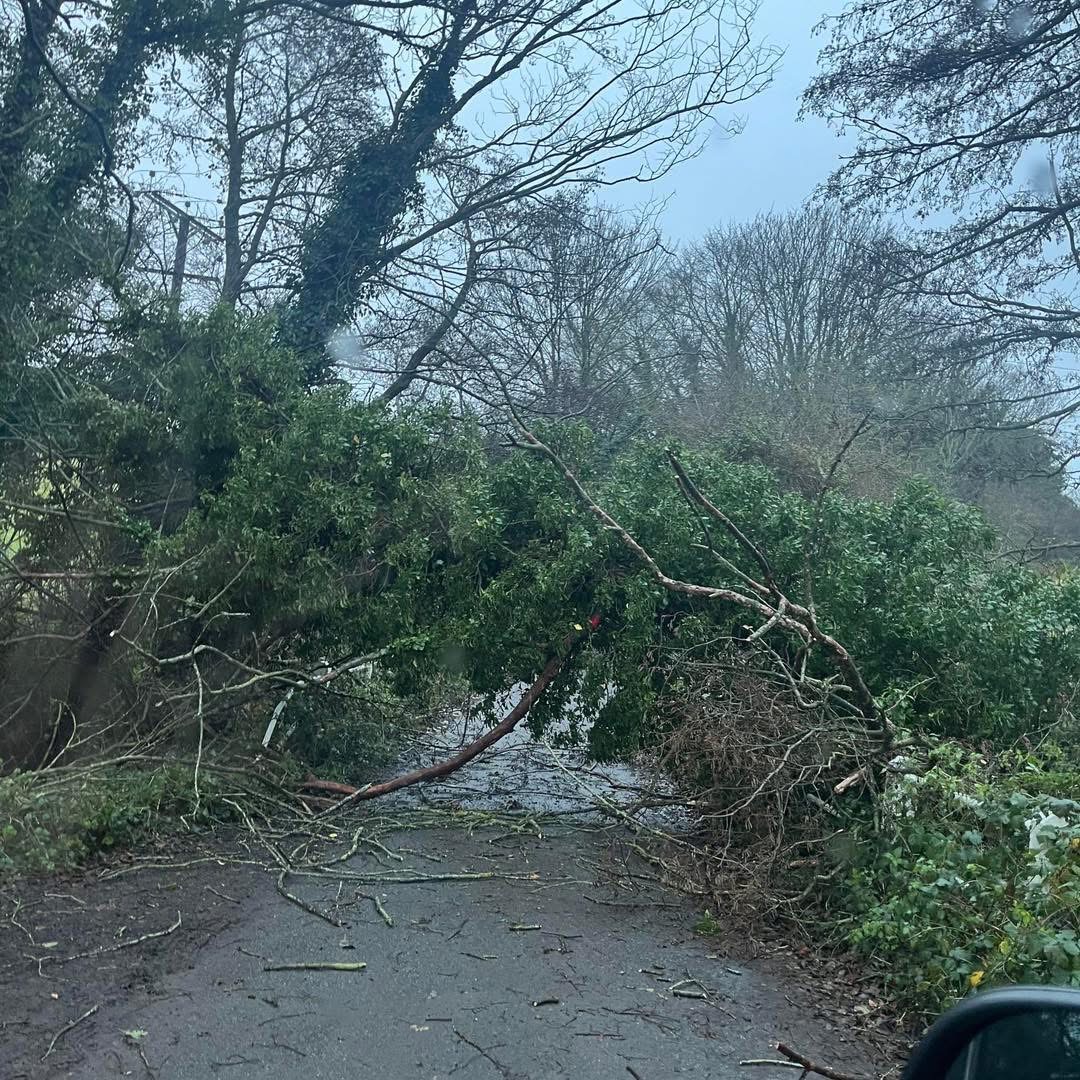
565, 962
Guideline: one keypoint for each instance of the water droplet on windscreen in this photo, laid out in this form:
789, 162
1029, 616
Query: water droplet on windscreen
346, 346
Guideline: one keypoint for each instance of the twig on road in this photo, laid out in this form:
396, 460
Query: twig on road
379, 907
485, 1054
112, 948
316, 965
794, 1060
67, 1027
303, 904
689, 988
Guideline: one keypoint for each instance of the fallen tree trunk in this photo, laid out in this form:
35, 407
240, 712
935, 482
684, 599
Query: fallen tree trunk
473, 750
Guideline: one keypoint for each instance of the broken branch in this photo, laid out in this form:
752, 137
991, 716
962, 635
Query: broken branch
769, 603
796, 1060
315, 965
477, 746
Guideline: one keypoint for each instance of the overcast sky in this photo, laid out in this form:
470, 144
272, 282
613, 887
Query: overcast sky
775, 164
778, 160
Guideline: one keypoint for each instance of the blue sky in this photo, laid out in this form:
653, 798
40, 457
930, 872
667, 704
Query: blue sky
778, 160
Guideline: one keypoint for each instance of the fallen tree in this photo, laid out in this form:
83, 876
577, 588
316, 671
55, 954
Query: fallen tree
762, 595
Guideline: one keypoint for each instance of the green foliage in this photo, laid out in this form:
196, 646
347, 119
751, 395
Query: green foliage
982, 648
953, 641
48, 825
293, 525
708, 925
344, 737
333, 511
971, 877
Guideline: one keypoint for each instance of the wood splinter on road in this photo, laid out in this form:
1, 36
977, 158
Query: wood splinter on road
316, 965
689, 988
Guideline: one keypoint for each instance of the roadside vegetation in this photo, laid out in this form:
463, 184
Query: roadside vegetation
780, 514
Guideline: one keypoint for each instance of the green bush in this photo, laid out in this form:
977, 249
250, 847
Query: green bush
49, 823
971, 877
958, 643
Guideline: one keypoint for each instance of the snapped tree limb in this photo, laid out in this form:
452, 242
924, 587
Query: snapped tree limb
474, 749
764, 597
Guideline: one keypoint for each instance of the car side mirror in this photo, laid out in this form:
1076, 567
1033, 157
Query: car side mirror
1019, 1033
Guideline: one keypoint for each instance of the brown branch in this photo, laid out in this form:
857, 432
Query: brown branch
809, 1066
693, 495
781, 612
474, 749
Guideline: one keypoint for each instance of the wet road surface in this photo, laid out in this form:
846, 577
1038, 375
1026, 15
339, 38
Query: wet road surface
561, 963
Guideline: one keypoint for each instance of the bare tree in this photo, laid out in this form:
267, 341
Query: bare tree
491, 106
565, 317
794, 303
552, 302
73, 76
711, 308
791, 327
967, 111
337, 205
269, 114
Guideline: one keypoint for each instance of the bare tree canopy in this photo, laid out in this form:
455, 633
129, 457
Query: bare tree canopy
965, 113
353, 148
269, 116
493, 106
796, 303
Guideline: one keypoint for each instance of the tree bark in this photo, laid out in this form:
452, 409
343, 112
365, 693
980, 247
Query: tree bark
380, 177
17, 115
234, 270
